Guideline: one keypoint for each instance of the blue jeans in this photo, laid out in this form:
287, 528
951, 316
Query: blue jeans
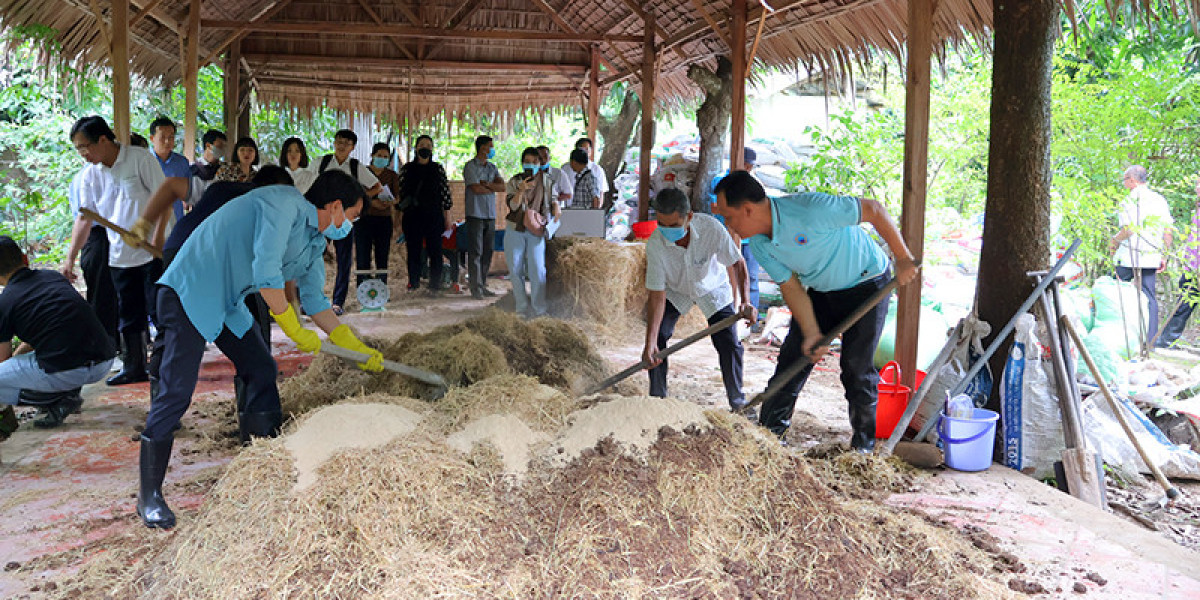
525, 254
23, 373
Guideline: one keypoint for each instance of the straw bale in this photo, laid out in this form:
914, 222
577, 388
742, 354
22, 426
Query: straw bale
718, 512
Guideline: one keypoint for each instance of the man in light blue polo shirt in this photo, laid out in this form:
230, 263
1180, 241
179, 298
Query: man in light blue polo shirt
267, 236
826, 267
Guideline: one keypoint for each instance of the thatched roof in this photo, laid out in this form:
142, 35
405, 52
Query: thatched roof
400, 57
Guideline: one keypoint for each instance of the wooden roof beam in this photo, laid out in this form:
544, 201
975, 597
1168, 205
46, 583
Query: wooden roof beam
144, 12
396, 63
242, 31
368, 29
566, 27
699, 4
637, 10
378, 21
697, 31
458, 17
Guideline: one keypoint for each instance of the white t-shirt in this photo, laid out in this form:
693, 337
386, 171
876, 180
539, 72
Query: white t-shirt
1147, 215
365, 176
697, 274
565, 184
135, 175
92, 188
303, 178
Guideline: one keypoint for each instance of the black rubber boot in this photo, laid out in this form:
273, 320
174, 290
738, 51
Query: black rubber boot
134, 370
151, 506
862, 422
55, 406
259, 424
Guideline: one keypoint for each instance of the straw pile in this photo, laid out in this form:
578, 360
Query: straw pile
703, 508
495, 343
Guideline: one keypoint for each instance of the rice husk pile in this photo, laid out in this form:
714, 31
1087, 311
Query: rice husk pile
554, 352
602, 284
712, 510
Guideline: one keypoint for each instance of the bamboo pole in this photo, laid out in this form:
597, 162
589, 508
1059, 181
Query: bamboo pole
737, 133
120, 67
647, 148
593, 105
191, 81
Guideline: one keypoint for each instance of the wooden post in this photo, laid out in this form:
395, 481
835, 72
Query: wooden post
737, 137
916, 161
243, 91
120, 67
648, 74
233, 72
593, 107
191, 81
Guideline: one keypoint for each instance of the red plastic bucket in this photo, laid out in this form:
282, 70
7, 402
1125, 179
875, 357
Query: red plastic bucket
893, 399
643, 229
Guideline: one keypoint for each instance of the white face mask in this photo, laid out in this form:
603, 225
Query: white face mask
218, 153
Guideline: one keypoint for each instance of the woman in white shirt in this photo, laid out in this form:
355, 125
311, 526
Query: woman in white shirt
294, 157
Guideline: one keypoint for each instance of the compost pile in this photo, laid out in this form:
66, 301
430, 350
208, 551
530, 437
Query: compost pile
495, 343
508, 488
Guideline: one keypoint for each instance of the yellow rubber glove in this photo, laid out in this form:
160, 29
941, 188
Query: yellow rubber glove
342, 336
306, 339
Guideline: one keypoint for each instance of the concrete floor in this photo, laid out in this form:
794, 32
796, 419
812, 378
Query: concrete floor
69, 494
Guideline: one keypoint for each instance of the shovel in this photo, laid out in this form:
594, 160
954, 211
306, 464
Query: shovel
665, 352
419, 374
867, 306
91, 214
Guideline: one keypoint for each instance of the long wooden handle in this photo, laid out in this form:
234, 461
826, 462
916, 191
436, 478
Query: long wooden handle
91, 214
665, 352
1171, 491
395, 367
918, 397
867, 306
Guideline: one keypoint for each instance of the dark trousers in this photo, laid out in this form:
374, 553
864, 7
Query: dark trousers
258, 310
729, 351
752, 274
481, 240
1148, 284
343, 251
859, 377
183, 350
135, 294
424, 244
101, 293
372, 237
1189, 288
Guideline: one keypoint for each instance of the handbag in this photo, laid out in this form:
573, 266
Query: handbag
408, 202
535, 222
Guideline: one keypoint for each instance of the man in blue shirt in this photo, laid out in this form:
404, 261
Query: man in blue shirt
826, 266
162, 142
483, 181
268, 236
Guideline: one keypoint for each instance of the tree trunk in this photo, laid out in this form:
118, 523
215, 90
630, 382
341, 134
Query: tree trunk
1016, 231
617, 132
713, 121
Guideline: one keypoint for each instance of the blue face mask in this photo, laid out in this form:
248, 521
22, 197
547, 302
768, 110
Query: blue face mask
673, 234
491, 153
379, 162
546, 167
337, 232
531, 167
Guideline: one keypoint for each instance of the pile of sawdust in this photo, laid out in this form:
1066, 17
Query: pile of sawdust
712, 511
336, 428
554, 352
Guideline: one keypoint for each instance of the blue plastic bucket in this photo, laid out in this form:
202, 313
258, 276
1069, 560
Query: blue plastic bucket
968, 443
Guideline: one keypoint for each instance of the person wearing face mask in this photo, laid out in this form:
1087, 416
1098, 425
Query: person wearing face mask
425, 200
293, 156
531, 205
373, 231
207, 164
268, 236
245, 161
577, 186
344, 142
692, 260
552, 172
483, 182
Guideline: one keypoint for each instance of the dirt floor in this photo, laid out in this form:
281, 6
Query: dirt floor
68, 497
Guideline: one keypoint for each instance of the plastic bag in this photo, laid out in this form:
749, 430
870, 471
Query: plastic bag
1110, 297
1030, 416
1108, 439
930, 338
968, 347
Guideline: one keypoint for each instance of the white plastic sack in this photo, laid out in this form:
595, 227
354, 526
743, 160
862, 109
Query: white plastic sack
680, 175
1030, 416
1106, 437
968, 344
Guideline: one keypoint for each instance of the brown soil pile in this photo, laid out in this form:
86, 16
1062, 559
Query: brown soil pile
554, 352
714, 511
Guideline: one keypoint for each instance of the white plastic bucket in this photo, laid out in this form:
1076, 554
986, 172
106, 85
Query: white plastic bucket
968, 443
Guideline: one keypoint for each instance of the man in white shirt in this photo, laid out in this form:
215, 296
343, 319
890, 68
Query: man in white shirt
1145, 233
566, 179
344, 142
692, 260
135, 175
93, 190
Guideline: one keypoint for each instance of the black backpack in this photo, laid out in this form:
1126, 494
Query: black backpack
329, 157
